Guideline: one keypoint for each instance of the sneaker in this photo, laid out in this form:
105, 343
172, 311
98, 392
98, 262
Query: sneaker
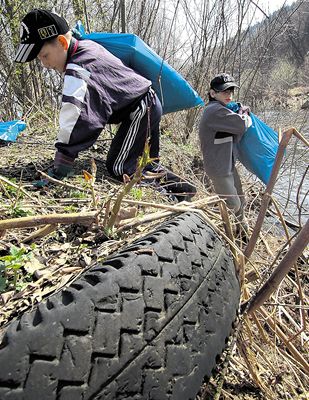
154, 183
181, 189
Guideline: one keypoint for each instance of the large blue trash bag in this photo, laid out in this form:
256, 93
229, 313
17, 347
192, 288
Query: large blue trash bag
10, 130
173, 90
258, 147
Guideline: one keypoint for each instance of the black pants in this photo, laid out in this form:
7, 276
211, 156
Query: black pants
129, 141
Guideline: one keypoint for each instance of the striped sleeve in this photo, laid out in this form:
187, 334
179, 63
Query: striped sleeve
73, 96
83, 113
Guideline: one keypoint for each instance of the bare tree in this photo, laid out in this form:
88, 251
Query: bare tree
197, 38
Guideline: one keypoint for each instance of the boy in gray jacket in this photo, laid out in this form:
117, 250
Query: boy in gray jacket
219, 129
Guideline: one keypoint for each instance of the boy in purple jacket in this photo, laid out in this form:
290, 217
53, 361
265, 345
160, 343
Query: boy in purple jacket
98, 89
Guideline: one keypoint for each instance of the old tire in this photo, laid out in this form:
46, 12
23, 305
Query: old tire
148, 323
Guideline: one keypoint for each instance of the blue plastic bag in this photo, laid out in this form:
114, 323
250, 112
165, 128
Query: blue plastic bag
173, 90
11, 129
258, 147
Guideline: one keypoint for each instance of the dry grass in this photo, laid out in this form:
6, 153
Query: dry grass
267, 356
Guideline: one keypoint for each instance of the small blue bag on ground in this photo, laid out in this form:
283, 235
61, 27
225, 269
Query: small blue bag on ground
258, 147
10, 130
173, 90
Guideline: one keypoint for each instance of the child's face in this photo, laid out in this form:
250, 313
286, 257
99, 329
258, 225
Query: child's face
224, 97
53, 56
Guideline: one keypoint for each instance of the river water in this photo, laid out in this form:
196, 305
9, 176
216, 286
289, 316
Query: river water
292, 187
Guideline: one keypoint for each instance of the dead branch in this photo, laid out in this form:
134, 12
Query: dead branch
46, 230
148, 218
286, 136
86, 218
281, 271
294, 352
300, 137
229, 234
8, 182
251, 363
203, 201
61, 183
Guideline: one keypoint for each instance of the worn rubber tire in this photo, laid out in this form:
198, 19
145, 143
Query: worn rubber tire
148, 323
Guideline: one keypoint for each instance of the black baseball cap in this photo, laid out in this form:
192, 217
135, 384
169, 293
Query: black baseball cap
37, 27
222, 82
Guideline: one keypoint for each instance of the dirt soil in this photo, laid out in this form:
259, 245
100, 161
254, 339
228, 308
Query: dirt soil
260, 365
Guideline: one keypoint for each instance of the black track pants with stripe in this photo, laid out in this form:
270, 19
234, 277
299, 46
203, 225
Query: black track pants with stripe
129, 141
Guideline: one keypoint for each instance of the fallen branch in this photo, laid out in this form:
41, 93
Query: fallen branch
205, 200
148, 218
61, 183
86, 218
292, 349
286, 136
169, 210
46, 230
251, 364
8, 182
281, 271
229, 233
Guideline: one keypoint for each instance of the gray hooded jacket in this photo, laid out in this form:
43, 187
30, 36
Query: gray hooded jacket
219, 129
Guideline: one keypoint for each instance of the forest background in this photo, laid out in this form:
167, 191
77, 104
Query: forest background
198, 38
